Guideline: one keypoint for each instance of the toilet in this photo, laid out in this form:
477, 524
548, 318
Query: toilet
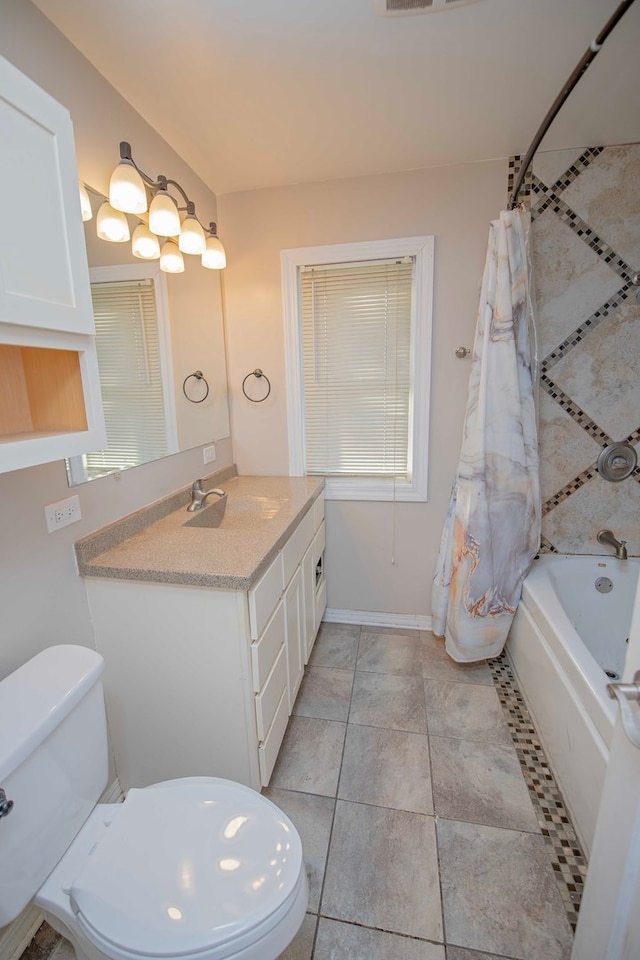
199, 868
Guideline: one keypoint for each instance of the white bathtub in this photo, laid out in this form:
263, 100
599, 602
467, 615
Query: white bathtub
564, 637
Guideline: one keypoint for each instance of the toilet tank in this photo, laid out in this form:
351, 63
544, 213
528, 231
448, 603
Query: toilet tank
53, 764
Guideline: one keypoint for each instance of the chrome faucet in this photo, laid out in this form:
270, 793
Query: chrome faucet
199, 496
620, 546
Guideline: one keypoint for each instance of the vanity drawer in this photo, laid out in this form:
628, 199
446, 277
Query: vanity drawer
268, 751
267, 702
265, 650
318, 511
295, 547
264, 597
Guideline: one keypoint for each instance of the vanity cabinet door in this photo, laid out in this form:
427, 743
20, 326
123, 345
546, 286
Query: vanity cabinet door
294, 613
44, 277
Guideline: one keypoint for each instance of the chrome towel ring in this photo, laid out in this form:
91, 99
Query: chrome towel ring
259, 375
197, 376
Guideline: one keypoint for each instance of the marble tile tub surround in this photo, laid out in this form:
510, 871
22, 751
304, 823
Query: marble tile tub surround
154, 545
585, 207
435, 841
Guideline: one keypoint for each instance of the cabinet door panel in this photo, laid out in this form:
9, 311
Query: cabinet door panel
268, 751
44, 278
264, 597
265, 650
267, 701
294, 548
294, 609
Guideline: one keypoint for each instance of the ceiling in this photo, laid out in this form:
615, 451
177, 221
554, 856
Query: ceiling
261, 93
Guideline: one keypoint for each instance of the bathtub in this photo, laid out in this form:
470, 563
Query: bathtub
567, 641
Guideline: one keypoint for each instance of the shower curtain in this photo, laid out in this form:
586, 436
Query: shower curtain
492, 530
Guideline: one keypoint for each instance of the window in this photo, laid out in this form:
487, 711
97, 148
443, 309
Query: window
358, 332
134, 378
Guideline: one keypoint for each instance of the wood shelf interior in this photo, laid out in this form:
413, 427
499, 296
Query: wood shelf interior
41, 391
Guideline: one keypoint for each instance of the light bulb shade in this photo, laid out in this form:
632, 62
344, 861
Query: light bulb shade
164, 219
112, 224
145, 244
214, 257
85, 203
126, 189
171, 260
192, 238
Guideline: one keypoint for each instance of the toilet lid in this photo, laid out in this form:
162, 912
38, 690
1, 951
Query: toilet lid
187, 867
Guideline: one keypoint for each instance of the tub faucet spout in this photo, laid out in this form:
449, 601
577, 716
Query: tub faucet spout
620, 546
199, 496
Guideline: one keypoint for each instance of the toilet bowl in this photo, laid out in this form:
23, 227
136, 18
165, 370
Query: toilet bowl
198, 869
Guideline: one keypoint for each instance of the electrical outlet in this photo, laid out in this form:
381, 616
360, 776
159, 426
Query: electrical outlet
62, 513
209, 453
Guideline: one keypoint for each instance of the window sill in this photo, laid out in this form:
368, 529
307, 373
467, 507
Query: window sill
401, 490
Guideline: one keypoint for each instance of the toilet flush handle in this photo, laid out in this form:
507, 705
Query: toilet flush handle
6, 806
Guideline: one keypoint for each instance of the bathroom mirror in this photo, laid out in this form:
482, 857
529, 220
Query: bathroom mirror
155, 331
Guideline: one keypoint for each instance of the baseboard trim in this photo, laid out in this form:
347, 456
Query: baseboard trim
408, 621
18, 935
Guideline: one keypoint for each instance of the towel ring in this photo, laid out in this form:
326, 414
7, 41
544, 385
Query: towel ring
197, 375
258, 374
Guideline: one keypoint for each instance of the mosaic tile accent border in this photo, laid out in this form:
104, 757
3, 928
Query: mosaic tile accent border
567, 858
575, 412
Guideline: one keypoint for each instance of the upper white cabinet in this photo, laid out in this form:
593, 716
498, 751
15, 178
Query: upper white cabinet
44, 279
50, 403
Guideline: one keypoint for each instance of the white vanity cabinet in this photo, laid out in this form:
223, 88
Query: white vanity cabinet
202, 681
50, 404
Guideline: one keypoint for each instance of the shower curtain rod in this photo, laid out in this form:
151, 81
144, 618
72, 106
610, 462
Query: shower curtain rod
591, 53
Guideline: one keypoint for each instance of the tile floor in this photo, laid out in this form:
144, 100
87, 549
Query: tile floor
431, 824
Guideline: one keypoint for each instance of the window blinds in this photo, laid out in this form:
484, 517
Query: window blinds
128, 348
356, 323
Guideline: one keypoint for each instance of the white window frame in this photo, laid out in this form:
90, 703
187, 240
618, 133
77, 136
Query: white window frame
422, 248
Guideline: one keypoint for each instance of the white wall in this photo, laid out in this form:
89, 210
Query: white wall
455, 204
42, 598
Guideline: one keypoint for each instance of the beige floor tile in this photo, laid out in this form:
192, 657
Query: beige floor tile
394, 653
325, 693
480, 783
499, 894
312, 817
383, 871
438, 665
336, 646
350, 942
386, 768
392, 702
461, 953
310, 756
469, 711
301, 947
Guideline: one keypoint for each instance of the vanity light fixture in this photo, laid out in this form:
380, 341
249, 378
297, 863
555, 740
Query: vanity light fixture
164, 218
85, 203
192, 238
129, 191
214, 257
112, 224
144, 244
171, 260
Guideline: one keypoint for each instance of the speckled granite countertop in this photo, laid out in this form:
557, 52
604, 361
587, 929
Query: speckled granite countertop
155, 545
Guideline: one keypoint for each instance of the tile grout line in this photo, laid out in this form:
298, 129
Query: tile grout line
567, 858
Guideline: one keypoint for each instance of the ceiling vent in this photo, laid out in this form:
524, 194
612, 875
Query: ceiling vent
408, 8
